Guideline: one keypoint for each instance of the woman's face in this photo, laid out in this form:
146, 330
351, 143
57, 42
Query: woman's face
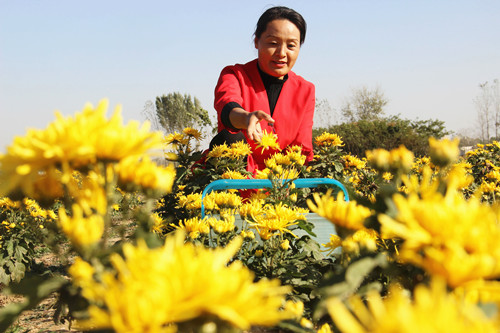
278, 47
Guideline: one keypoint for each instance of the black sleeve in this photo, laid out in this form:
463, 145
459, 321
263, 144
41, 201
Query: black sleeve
224, 115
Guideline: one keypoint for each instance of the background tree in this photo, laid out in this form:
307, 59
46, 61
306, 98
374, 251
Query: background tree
364, 104
388, 133
176, 111
324, 114
488, 110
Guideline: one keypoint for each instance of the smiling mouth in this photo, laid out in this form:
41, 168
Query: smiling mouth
279, 63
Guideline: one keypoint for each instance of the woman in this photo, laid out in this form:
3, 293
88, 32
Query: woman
264, 94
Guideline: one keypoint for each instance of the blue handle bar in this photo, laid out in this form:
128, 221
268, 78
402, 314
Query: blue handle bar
241, 184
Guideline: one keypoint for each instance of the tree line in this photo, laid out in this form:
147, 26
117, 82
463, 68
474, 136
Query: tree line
362, 122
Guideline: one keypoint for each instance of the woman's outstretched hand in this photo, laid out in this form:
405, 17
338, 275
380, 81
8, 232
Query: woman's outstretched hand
254, 130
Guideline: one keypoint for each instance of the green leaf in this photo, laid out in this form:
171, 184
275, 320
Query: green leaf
357, 271
307, 227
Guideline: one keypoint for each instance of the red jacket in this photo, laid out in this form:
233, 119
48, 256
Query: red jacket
293, 113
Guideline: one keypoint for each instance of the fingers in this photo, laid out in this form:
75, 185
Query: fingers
261, 115
254, 129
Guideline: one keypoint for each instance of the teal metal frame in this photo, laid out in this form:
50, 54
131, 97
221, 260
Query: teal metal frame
245, 184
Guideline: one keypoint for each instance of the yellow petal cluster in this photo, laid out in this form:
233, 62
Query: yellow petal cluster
399, 159
150, 290
269, 141
194, 227
443, 152
145, 175
432, 309
81, 230
74, 142
447, 235
275, 219
341, 213
328, 140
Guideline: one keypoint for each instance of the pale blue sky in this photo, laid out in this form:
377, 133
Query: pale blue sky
428, 57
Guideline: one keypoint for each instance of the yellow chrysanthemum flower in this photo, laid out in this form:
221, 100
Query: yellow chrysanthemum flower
240, 149
74, 142
194, 227
431, 310
294, 154
443, 152
297, 308
226, 224
447, 235
192, 133
269, 141
221, 200
251, 208
81, 230
362, 239
387, 176
341, 213
334, 243
285, 244
149, 290
230, 174
353, 162
191, 201
176, 139
328, 140
219, 151
399, 159
146, 175
275, 219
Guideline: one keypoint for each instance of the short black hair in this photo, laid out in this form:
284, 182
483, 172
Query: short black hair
281, 13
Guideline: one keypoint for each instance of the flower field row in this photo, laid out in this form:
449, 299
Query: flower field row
415, 249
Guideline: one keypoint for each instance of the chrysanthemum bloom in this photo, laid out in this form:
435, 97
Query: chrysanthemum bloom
247, 234
285, 244
194, 227
149, 289
341, 213
297, 308
81, 230
353, 162
379, 159
192, 133
328, 140
251, 208
145, 175
334, 243
294, 154
174, 140
387, 176
325, 329
74, 142
159, 225
269, 141
221, 200
191, 201
223, 225
276, 219
263, 174
443, 152
431, 310
240, 149
362, 239
230, 174
401, 159
397, 160
447, 235
219, 151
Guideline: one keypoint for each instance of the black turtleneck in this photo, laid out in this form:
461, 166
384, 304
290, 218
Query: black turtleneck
273, 86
